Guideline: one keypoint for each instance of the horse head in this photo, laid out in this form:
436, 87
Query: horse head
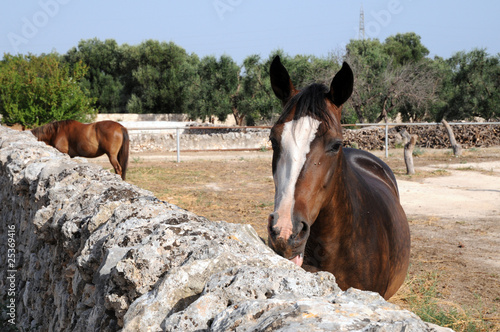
307, 149
46, 133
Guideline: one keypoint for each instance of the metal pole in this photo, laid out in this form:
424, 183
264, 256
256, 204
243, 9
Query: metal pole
387, 140
178, 145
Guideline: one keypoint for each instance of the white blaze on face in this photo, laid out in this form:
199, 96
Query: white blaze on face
296, 141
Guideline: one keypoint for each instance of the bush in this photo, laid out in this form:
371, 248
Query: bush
37, 90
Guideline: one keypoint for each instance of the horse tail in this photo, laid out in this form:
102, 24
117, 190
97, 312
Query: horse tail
124, 152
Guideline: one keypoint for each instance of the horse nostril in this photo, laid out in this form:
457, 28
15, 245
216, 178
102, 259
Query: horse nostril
304, 230
270, 220
274, 232
271, 228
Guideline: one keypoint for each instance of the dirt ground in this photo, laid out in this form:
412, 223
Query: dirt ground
452, 203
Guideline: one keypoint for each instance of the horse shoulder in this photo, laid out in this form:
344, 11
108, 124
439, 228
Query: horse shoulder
61, 143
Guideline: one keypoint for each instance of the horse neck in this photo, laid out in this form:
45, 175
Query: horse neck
342, 200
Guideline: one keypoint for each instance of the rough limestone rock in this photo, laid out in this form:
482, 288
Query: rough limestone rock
94, 253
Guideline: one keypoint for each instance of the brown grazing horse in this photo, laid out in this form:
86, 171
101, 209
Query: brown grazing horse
335, 209
88, 140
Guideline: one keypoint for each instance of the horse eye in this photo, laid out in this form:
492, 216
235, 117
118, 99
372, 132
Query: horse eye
334, 147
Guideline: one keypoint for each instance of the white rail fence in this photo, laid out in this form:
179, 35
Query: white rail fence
160, 127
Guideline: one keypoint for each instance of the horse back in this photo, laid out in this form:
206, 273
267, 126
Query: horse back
108, 128
370, 168
371, 186
377, 208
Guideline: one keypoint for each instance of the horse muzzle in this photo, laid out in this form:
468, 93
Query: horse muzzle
286, 243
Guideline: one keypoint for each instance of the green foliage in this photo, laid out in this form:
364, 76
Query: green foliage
417, 152
134, 104
368, 62
254, 100
307, 69
393, 77
104, 77
474, 86
218, 82
162, 77
405, 48
152, 77
35, 90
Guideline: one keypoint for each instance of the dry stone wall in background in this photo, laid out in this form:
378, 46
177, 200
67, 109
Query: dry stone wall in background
369, 138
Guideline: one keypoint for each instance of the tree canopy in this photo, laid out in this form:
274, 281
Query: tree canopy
474, 85
394, 76
35, 90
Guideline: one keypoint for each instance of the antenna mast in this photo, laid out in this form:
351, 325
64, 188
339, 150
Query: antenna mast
361, 24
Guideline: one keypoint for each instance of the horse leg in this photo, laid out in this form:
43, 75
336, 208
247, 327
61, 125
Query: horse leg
116, 165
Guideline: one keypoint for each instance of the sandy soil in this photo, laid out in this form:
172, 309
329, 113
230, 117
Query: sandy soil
464, 193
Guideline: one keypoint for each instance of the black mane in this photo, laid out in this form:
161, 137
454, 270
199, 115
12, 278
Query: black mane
310, 101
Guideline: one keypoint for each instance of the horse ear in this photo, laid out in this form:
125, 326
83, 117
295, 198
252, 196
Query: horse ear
341, 86
280, 80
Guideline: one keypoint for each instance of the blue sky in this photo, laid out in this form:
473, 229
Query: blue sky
242, 27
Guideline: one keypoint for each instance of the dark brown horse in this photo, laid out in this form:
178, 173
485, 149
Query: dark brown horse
335, 209
88, 140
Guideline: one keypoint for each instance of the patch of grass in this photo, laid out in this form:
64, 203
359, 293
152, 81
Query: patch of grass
417, 152
440, 172
421, 295
401, 173
265, 204
469, 168
156, 174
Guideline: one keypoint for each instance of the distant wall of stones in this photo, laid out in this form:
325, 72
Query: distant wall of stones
225, 138
431, 136
369, 138
83, 250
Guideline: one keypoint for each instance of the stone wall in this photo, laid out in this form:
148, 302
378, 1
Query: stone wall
156, 117
94, 253
201, 140
368, 138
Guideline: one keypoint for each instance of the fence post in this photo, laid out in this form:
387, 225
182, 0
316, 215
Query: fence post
386, 140
177, 138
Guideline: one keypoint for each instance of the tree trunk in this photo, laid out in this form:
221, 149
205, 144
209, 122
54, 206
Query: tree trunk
238, 117
359, 113
457, 148
410, 142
